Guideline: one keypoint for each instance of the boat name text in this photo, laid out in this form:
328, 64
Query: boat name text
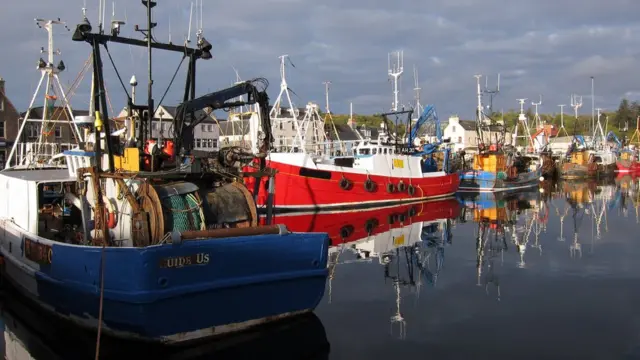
37, 252
182, 261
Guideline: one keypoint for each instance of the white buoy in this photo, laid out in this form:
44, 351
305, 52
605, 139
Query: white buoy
541, 178
541, 190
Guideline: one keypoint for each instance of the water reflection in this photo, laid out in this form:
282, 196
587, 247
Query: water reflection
31, 334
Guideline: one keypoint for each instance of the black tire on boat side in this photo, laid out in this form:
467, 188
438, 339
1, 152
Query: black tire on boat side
369, 185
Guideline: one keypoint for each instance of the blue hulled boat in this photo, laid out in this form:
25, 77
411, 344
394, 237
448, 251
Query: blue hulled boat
496, 166
143, 237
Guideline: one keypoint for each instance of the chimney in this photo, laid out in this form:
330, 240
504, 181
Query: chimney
1, 85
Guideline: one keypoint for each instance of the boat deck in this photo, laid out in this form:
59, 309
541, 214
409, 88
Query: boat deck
39, 175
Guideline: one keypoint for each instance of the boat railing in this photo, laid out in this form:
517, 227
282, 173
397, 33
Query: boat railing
36, 155
330, 148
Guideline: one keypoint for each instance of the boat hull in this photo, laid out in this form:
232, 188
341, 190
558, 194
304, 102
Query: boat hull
629, 167
172, 293
320, 189
478, 180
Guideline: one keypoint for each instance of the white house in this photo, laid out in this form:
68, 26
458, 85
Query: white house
206, 135
463, 134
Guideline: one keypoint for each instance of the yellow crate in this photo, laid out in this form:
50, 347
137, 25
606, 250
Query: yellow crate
491, 162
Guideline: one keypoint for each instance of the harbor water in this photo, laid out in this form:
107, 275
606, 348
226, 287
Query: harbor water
530, 275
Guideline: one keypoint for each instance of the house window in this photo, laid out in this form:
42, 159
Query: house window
203, 128
209, 128
209, 143
2, 105
215, 143
460, 139
58, 132
153, 126
453, 128
2, 134
280, 125
32, 130
198, 143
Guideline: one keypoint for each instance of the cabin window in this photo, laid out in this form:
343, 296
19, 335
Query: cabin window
58, 132
364, 151
385, 151
375, 151
320, 174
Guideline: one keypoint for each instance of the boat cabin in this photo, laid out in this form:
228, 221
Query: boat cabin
42, 203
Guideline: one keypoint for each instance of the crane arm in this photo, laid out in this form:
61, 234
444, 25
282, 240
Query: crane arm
221, 99
612, 136
428, 113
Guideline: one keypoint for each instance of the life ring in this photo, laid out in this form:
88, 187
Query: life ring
391, 188
110, 213
411, 190
346, 231
369, 185
345, 184
401, 186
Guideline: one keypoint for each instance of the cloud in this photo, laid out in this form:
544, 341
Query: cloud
543, 47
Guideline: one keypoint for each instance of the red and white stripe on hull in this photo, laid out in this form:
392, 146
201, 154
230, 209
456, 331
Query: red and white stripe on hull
301, 184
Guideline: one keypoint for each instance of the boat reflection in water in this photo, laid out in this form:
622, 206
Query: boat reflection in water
504, 219
31, 334
407, 240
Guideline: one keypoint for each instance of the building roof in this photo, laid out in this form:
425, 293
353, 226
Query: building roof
58, 111
345, 133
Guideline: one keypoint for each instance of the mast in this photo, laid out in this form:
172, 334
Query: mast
396, 68
30, 154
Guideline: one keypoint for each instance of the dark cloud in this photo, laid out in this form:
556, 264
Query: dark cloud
540, 47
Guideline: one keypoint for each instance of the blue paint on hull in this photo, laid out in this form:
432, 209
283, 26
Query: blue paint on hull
246, 278
473, 180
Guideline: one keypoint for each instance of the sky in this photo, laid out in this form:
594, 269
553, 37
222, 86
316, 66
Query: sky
547, 48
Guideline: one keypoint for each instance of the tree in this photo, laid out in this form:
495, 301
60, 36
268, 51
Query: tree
623, 115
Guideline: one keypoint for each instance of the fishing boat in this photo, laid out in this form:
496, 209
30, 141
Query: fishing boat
628, 162
584, 161
146, 239
496, 166
372, 171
